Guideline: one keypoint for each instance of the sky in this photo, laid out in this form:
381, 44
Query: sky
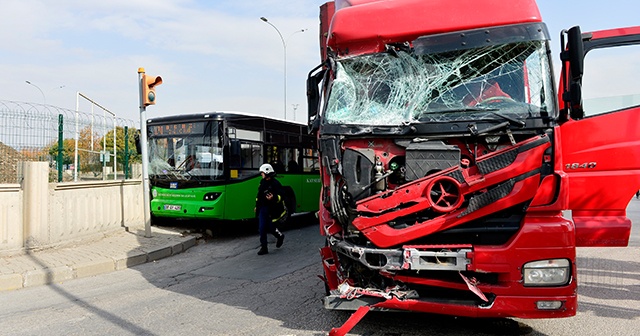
214, 55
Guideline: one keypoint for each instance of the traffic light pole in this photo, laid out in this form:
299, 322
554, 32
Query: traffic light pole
145, 157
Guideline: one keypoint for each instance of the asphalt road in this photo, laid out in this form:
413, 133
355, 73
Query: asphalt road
221, 287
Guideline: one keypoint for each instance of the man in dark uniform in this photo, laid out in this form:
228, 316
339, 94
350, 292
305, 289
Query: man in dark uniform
270, 207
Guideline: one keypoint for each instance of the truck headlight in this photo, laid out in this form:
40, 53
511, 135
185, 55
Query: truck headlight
552, 272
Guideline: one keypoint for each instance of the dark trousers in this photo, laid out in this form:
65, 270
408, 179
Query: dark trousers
265, 225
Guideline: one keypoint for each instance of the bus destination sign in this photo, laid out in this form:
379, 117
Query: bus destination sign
178, 129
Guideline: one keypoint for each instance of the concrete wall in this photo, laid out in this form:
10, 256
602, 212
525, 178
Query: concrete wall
38, 214
11, 229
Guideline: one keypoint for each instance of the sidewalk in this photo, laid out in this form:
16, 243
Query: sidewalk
115, 251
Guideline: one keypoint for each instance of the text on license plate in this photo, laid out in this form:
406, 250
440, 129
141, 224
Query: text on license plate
172, 207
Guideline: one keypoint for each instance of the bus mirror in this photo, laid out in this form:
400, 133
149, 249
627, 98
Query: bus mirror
234, 148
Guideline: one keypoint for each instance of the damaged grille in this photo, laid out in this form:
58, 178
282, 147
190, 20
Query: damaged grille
424, 158
415, 258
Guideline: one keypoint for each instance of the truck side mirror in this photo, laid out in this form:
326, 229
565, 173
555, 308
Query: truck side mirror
313, 96
576, 53
575, 98
573, 54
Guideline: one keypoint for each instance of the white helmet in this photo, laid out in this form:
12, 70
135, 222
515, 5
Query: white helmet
267, 169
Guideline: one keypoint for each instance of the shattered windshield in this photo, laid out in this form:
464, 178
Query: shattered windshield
186, 151
401, 86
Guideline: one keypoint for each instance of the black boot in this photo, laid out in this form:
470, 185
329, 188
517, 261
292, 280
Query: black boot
279, 239
263, 250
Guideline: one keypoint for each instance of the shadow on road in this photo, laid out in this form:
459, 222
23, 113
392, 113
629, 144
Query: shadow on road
85, 305
285, 285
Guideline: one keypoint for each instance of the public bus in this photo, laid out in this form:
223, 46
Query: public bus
204, 166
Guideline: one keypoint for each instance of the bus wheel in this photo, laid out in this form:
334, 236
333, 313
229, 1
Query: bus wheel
157, 221
290, 203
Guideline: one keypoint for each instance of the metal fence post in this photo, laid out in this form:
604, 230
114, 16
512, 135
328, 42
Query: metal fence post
126, 153
60, 145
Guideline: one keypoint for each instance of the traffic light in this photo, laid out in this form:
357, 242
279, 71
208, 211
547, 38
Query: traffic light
149, 84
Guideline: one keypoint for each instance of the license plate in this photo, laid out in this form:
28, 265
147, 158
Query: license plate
172, 207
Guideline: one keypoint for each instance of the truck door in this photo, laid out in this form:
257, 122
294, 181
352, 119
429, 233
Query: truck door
599, 132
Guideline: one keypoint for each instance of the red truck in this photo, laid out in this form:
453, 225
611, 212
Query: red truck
450, 162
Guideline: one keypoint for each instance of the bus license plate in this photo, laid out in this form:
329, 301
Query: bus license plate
172, 207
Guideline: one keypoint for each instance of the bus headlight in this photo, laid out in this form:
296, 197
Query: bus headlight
212, 196
552, 272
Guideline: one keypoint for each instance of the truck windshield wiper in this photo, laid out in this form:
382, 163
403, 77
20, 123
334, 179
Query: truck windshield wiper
462, 109
473, 128
513, 121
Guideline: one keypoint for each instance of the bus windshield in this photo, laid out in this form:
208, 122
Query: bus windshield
407, 85
186, 151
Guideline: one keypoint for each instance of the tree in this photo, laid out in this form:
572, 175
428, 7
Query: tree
88, 158
68, 149
134, 157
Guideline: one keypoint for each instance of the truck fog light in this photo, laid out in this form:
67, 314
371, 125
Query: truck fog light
549, 305
552, 272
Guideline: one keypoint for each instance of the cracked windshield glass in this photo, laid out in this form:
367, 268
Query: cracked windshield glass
186, 151
400, 86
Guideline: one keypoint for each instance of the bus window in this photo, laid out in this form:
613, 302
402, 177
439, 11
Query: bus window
276, 157
310, 160
292, 160
245, 157
250, 156
284, 159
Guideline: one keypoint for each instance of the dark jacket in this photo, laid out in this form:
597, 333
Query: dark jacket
277, 208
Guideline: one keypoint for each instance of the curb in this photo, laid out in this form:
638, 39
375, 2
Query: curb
37, 273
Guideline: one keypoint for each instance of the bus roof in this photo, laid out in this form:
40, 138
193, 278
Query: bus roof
220, 115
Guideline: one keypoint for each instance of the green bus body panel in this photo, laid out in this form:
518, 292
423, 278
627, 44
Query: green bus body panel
241, 199
236, 201
306, 188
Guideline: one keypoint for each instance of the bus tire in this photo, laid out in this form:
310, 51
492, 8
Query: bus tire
157, 221
290, 202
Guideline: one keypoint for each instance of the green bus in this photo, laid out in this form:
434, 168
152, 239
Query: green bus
204, 166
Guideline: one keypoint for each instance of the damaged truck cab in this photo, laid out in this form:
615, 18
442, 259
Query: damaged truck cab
447, 159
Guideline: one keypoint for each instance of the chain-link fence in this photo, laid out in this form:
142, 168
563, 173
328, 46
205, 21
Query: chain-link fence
78, 145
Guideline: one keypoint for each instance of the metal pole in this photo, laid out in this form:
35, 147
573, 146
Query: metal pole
60, 145
126, 152
115, 156
145, 159
284, 46
75, 154
104, 147
104, 125
39, 89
